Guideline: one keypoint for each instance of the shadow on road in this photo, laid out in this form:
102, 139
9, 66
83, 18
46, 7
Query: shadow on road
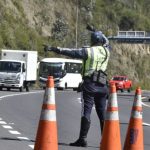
15, 139
65, 144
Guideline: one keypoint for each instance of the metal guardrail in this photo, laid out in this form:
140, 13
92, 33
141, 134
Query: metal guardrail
130, 39
131, 34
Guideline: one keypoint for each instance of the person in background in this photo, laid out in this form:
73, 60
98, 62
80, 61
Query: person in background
94, 89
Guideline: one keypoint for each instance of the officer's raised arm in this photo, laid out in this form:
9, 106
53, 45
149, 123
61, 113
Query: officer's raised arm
71, 52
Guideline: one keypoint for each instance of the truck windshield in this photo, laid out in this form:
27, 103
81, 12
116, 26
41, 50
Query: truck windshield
7, 66
51, 69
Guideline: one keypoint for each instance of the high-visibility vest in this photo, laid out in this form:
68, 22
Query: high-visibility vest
98, 57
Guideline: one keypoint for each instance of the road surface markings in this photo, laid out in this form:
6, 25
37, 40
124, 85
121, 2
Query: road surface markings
79, 100
4, 96
2, 122
146, 124
8, 127
14, 132
145, 104
23, 138
32, 146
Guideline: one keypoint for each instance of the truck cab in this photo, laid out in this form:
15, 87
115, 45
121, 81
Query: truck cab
12, 74
18, 69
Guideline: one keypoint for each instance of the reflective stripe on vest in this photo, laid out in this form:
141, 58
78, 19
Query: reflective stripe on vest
96, 60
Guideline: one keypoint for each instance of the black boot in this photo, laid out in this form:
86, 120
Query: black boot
81, 142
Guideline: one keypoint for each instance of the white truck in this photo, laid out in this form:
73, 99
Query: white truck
18, 69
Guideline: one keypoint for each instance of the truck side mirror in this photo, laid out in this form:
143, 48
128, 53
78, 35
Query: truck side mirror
23, 68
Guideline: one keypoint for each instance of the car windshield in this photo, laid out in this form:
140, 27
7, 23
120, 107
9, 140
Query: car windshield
118, 78
7, 66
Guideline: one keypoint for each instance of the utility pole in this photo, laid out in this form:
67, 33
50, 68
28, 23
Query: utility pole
77, 15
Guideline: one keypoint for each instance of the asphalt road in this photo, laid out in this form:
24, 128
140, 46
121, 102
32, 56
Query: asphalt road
20, 113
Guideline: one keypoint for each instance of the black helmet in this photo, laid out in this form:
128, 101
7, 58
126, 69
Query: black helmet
97, 38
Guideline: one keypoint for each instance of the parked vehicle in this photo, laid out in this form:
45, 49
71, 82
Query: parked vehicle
18, 69
122, 83
66, 72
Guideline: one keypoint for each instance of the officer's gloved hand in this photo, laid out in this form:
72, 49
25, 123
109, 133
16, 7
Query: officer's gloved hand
55, 49
50, 48
46, 47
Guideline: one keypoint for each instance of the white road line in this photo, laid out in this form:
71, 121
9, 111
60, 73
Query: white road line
14, 132
32, 146
143, 98
2, 122
145, 104
79, 100
10, 123
23, 138
6, 127
4, 96
146, 124
9, 127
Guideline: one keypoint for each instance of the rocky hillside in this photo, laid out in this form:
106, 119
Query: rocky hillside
63, 22
131, 60
28, 24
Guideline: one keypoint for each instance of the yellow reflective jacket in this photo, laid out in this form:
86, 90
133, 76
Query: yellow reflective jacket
98, 57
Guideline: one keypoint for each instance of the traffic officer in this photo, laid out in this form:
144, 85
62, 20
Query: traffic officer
94, 87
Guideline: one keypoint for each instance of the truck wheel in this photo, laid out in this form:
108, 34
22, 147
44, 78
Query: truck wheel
129, 90
27, 88
21, 89
75, 89
1, 89
122, 90
65, 85
60, 88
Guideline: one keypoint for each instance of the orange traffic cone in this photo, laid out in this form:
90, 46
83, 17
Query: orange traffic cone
46, 138
111, 133
134, 137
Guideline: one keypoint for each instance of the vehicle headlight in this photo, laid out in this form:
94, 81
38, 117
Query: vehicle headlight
60, 80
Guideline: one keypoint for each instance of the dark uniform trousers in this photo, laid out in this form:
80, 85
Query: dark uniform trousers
97, 94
